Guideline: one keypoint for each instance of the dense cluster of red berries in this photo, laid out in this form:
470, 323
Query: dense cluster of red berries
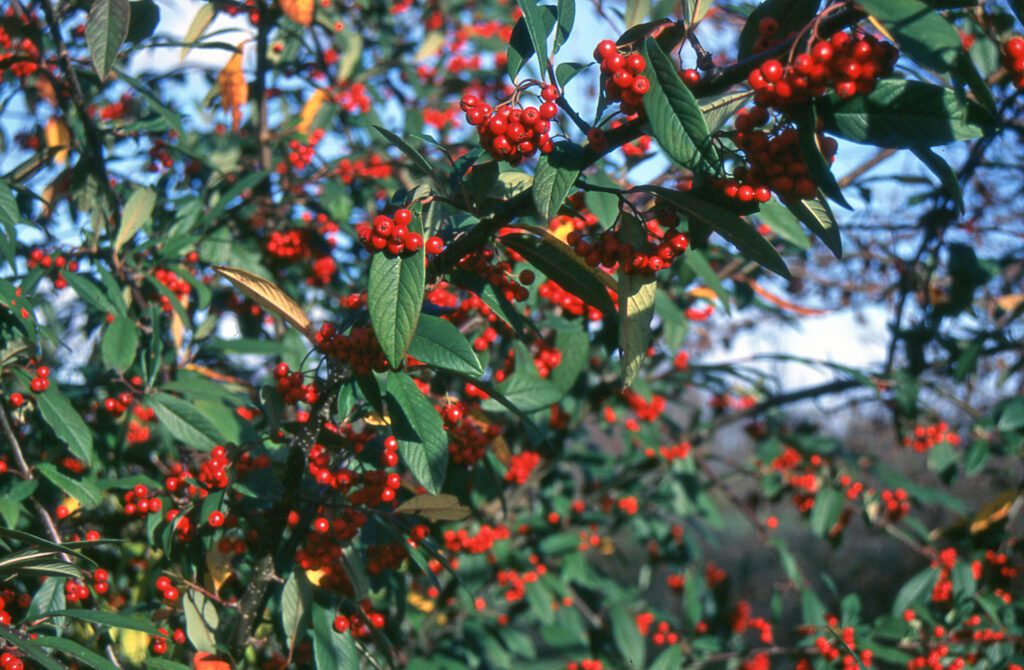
291, 388
300, 154
521, 466
927, 437
849, 64
288, 245
776, 162
611, 252
175, 284
624, 81
1013, 59
138, 502
372, 168
167, 590
21, 57
391, 235
41, 381
360, 349
511, 133
359, 624
56, 263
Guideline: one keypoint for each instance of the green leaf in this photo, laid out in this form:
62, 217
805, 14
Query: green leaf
419, 429
90, 292
9, 212
670, 659
105, 31
901, 114
561, 264
828, 505
136, 213
30, 648
914, 591
394, 298
810, 150
783, 223
331, 649
50, 596
1011, 417
792, 15
108, 619
556, 174
677, 122
201, 621
85, 492
76, 651
564, 72
738, 232
719, 110
526, 390
296, 598
636, 308
537, 27
818, 217
66, 423
631, 646
941, 169
415, 156
566, 19
440, 344
200, 22
119, 344
185, 423
522, 45
698, 262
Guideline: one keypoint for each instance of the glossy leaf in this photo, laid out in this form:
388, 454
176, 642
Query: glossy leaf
900, 114
66, 423
566, 19
810, 150
636, 309
738, 232
677, 122
792, 15
119, 344
395, 297
85, 492
201, 621
440, 344
185, 422
268, 296
136, 214
818, 217
556, 174
331, 650
106, 28
419, 429
538, 24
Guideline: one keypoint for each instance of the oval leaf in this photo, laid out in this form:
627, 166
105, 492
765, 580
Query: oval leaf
105, 31
268, 296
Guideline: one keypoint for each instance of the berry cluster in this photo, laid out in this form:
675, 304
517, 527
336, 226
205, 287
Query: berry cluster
300, 155
287, 245
167, 590
623, 79
291, 388
510, 133
175, 284
499, 275
1013, 59
118, 405
137, 501
521, 466
360, 349
610, 251
373, 168
21, 57
41, 381
570, 304
100, 581
849, 64
57, 262
927, 437
359, 624
391, 235
897, 504
776, 162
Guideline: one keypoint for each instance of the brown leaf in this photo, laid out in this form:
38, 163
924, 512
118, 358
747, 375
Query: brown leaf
440, 507
268, 296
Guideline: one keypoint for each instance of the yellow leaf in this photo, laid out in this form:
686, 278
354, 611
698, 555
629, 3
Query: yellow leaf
268, 296
218, 567
419, 602
430, 45
1009, 302
995, 511
310, 110
314, 576
299, 11
234, 90
133, 644
57, 136
72, 504
440, 507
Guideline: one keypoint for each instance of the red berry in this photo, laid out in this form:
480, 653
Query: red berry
17, 400
548, 111
435, 245
640, 85
216, 519
1015, 48
772, 71
402, 217
549, 93
605, 50
413, 242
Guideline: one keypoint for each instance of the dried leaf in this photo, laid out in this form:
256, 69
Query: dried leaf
234, 90
57, 136
299, 11
439, 507
310, 110
268, 296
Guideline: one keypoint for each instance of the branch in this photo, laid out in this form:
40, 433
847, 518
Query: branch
26, 473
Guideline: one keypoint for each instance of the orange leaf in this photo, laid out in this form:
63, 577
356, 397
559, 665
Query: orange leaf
268, 296
780, 302
204, 660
